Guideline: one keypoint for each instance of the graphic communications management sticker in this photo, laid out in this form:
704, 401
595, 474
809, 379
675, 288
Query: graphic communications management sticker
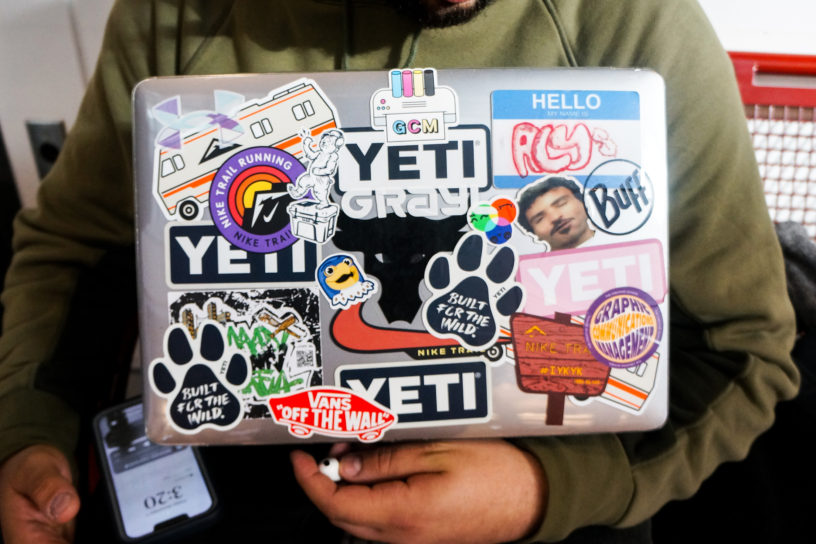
623, 327
248, 199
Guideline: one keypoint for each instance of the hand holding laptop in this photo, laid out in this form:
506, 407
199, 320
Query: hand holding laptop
461, 490
38, 501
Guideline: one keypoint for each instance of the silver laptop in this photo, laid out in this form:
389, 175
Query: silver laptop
403, 254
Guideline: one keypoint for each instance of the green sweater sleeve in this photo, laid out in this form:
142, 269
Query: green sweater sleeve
84, 212
732, 327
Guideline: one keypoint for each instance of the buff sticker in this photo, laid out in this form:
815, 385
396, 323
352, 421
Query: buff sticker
623, 327
343, 281
191, 147
201, 377
569, 281
333, 412
277, 331
619, 197
471, 292
543, 132
494, 219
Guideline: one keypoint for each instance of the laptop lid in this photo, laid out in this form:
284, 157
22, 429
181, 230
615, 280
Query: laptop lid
405, 254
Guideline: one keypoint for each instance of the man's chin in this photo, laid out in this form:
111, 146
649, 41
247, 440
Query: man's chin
441, 13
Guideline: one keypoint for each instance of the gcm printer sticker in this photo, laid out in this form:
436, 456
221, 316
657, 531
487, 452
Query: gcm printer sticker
623, 327
618, 196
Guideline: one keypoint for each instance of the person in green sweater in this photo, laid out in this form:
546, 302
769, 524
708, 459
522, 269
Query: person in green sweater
732, 326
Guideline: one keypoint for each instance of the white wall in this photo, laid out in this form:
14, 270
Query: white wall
47, 50
767, 26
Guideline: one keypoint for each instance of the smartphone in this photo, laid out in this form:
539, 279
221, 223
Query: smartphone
157, 491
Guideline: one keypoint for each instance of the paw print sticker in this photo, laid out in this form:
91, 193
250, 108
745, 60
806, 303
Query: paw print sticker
471, 290
201, 377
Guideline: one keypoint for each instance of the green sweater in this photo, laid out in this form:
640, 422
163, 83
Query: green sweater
731, 323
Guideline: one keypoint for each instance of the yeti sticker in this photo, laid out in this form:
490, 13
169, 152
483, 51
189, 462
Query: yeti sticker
471, 291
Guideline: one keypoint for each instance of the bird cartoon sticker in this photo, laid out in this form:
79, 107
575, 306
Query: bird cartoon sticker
342, 281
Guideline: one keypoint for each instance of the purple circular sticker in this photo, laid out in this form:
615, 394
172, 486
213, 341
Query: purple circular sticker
249, 197
623, 327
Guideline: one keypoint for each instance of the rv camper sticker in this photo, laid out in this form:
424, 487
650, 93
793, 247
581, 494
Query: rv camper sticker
628, 388
471, 291
330, 411
201, 378
540, 132
190, 147
623, 327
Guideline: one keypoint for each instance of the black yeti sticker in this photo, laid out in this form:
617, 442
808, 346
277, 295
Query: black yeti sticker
471, 290
201, 377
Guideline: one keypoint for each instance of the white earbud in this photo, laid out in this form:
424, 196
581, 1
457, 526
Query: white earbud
330, 467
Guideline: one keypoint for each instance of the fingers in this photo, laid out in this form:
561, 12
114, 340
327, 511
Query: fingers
346, 505
392, 462
339, 449
45, 477
383, 486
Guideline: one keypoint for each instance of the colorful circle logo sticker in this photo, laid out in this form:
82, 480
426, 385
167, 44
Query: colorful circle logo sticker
248, 199
623, 327
495, 219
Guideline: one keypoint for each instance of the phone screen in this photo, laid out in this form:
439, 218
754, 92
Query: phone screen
152, 483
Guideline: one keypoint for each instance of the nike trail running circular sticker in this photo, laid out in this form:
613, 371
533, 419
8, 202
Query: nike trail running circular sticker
623, 327
248, 199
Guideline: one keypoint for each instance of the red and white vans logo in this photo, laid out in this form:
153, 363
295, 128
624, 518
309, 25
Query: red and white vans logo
331, 411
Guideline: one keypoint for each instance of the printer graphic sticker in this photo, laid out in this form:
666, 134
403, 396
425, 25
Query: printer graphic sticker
414, 108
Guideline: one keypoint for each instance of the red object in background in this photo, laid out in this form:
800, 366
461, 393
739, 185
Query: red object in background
779, 94
748, 65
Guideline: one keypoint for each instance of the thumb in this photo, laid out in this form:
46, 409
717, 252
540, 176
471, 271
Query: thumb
45, 478
393, 461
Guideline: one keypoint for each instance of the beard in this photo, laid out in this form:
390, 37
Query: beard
439, 13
